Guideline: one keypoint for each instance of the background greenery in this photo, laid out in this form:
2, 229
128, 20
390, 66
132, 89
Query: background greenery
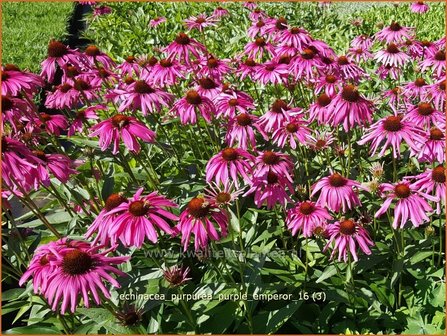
27, 27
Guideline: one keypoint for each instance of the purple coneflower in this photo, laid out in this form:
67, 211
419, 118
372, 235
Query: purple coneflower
94, 56
183, 47
15, 81
222, 194
176, 275
271, 72
434, 60
278, 113
52, 123
166, 72
392, 56
419, 7
432, 181
187, 107
292, 131
305, 217
231, 104
200, 22
432, 149
157, 21
424, 115
395, 33
241, 131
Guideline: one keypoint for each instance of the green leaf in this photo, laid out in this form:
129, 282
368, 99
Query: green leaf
35, 329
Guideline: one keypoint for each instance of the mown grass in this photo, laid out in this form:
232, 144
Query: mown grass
27, 27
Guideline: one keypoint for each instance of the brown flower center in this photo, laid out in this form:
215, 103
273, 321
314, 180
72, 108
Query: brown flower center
348, 227
260, 42
331, 79
270, 158
193, 97
80, 85
392, 124
392, 48
323, 100
279, 106
233, 102
440, 55
306, 208
438, 174
40, 154
320, 143
130, 319
76, 262
436, 134
420, 82
200, 20
142, 87
44, 260
44, 117
71, 71
395, 26
336, 180
207, 83
212, 63
7, 103
57, 49
260, 24
223, 197
129, 80
272, 178
182, 39
120, 120
113, 201
270, 67
281, 23
92, 50
350, 94
292, 128
11, 67
229, 154
442, 86
342, 60
130, 59
295, 30
308, 54
425, 109
284, 59
198, 208
138, 208
402, 190
243, 119
165, 63
250, 62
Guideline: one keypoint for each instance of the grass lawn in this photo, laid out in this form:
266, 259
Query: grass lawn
27, 27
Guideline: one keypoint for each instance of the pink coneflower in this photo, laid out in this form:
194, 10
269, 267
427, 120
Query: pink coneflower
435, 60
200, 218
410, 203
432, 182
125, 127
358, 54
240, 131
304, 64
293, 131
256, 29
296, 37
392, 56
82, 116
349, 108
77, 272
137, 219
337, 192
230, 104
269, 161
222, 195
257, 14
419, 7
52, 123
424, 115
349, 70
322, 49
392, 130
213, 67
247, 68
69, 96
183, 47
129, 67
274, 27
140, 95
16, 110
157, 21
229, 163
385, 71
395, 97
220, 12
208, 88
305, 217
187, 107
250, 5
15, 81
395, 33
94, 56
200, 22
270, 189
319, 110
329, 83
320, 140
105, 221
176, 275
166, 72
271, 72
258, 48
59, 54
57, 164
362, 41
417, 89
348, 236
278, 113
436, 92
432, 149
